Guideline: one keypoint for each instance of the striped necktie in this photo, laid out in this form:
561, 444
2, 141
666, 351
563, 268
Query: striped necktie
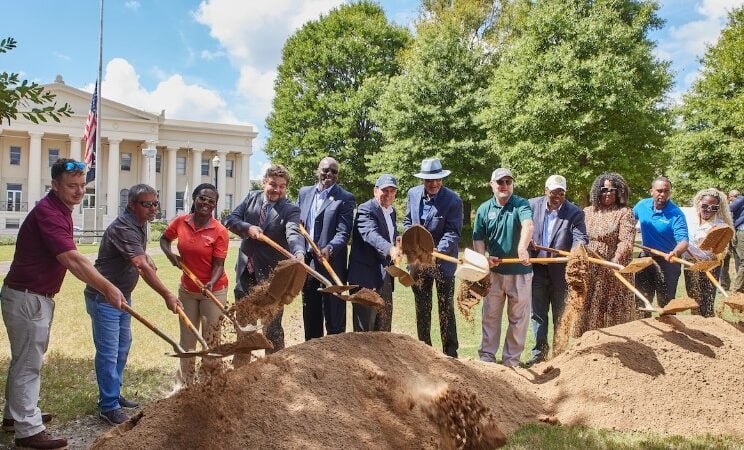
264, 212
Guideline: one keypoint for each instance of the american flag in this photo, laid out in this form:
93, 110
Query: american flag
91, 127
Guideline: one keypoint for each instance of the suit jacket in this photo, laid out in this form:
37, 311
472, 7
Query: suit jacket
332, 224
444, 222
569, 231
370, 246
281, 226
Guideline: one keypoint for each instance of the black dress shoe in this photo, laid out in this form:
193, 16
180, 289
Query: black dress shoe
124, 403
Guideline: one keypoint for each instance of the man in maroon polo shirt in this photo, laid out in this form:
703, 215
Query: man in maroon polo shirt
45, 250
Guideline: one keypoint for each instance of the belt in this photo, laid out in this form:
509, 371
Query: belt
28, 291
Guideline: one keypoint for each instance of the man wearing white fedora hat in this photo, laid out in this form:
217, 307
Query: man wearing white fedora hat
439, 210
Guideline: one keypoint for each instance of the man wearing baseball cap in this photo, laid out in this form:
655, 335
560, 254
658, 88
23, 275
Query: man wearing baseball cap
439, 210
559, 224
372, 249
503, 225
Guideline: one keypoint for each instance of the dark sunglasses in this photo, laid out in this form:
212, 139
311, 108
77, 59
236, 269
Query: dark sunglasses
606, 190
507, 181
329, 169
74, 165
209, 200
713, 208
149, 204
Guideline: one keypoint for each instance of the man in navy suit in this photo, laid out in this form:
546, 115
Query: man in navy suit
372, 249
327, 210
559, 224
267, 212
439, 210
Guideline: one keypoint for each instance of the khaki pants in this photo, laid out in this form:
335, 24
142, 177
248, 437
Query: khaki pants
201, 311
28, 319
517, 291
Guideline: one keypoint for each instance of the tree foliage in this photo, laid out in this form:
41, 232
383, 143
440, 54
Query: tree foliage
708, 149
578, 92
332, 73
431, 109
28, 99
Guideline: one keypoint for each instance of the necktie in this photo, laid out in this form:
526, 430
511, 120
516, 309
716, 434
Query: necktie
264, 213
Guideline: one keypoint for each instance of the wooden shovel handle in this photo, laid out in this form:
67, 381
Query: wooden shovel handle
447, 258
676, 259
200, 285
315, 274
320, 256
599, 261
186, 321
152, 327
715, 282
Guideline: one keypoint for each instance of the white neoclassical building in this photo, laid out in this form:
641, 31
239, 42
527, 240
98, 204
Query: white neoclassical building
187, 153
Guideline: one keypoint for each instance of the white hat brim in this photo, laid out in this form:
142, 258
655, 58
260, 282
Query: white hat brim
433, 176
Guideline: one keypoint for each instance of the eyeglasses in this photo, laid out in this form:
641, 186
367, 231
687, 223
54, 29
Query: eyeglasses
149, 204
74, 165
205, 199
329, 169
713, 208
505, 181
606, 190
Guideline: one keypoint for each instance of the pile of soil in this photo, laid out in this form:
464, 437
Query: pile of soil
358, 390
672, 374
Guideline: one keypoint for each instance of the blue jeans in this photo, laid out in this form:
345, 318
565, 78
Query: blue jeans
112, 336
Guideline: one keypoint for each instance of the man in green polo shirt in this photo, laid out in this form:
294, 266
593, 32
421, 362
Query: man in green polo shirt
503, 225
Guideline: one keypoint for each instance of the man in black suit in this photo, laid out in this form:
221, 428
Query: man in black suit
372, 249
267, 212
558, 224
327, 210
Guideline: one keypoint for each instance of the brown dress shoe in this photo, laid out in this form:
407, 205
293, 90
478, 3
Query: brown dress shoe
41, 441
9, 424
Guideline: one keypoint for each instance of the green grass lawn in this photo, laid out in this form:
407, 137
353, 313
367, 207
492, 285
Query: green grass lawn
69, 388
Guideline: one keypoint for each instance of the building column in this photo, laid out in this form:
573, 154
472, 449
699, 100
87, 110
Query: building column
221, 182
170, 183
196, 162
75, 147
112, 180
244, 172
34, 170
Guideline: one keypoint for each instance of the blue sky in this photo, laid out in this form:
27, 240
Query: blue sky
215, 60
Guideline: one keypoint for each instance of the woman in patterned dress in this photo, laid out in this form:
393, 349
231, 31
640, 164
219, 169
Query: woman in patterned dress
611, 228
712, 210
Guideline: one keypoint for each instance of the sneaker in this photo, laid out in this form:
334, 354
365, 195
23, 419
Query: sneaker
114, 417
41, 441
124, 403
9, 424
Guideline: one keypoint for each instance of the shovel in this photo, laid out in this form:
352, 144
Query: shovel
734, 301
364, 297
617, 269
634, 266
699, 266
216, 301
473, 266
717, 239
324, 261
394, 269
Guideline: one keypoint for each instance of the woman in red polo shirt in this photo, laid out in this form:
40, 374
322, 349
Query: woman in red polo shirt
202, 245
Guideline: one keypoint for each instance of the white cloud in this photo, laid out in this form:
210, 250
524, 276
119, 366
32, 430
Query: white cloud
61, 56
209, 55
132, 4
717, 9
180, 99
257, 88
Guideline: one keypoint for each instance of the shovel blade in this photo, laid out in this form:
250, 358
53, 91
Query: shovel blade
717, 239
469, 272
735, 301
366, 297
395, 271
678, 305
417, 244
287, 280
334, 289
406, 280
637, 265
704, 266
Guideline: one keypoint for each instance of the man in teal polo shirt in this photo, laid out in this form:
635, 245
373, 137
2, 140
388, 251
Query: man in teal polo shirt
503, 225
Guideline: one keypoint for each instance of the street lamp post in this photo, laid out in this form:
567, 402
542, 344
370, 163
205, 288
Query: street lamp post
216, 165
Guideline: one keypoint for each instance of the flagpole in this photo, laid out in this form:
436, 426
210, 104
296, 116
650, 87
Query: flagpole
98, 224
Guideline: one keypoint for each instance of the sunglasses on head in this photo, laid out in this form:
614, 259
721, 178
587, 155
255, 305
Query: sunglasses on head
505, 181
606, 190
149, 204
209, 200
713, 208
74, 165
329, 169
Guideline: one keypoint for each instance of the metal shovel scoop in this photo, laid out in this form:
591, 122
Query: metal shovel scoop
717, 239
735, 301
287, 281
216, 301
395, 270
319, 256
418, 244
698, 266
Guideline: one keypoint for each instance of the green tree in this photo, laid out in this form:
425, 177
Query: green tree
17, 94
578, 92
708, 149
431, 109
332, 73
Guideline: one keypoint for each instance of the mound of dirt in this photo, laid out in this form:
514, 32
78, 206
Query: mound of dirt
354, 390
673, 374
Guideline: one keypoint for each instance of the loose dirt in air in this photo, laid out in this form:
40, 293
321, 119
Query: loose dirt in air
467, 300
577, 270
368, 297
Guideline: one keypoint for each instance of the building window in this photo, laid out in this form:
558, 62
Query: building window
15, 191
126, 162
53, 156
228, 201
205, 167
181, 165
89, 198
158, 162
229, 164
15, 155
179, 201
12, 224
